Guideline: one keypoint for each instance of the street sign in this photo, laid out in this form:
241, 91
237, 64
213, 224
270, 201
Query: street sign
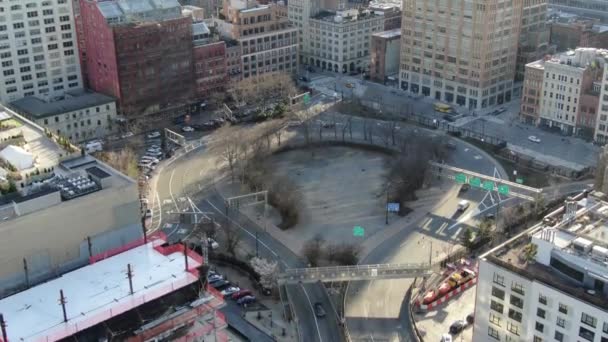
503, 189
358, 231
306, 98
460, 178
488, 185
519, 180
476, 182
393, 207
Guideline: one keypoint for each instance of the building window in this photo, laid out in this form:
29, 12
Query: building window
559, 336
516, 301
537, 339
540, 313
517, 288
563, 308
586, 334
561, 322
493, 333
498, 279
515, 315
494, 319
540, 327
513, 328
496, 307
589, 320
498, 293
605, 328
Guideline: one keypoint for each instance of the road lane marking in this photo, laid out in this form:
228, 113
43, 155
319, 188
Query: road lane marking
313, 312
171, 189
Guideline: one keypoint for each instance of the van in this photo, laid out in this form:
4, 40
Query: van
94, 146
463, 205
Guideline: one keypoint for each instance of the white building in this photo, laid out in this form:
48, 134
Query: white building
38, 49
601, 128
78, 116
341, 41
558, 293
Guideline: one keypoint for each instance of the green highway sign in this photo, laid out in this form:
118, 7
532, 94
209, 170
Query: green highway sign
488, 185
503, 189
476, 182
519, 180
460, 178
358, 231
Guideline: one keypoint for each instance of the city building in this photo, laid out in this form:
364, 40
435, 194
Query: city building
587, 8
460, 52
65, 206
147, 291
549, 282
140, 52
210, 74
601, 128
570, 32
532, 93
386, 47
38, 49
341, 41
568, 99
390, 11
78, 115
234, 66
533, 36
267, 42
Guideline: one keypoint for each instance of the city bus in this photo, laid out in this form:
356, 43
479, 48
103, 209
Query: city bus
442, 107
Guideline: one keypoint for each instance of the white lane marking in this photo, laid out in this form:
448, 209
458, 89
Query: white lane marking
171, 190
245, 230
471, 214
160, 211
313, 312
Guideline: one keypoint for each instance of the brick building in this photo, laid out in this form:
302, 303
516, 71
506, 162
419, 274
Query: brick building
140, 52
209, 58
531, 94
569, 32
391, 13
385, 55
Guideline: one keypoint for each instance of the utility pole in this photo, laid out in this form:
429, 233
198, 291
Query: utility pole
27, 274
185, 255
431, 254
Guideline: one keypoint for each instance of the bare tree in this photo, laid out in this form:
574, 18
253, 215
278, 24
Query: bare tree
229, 147
386, 133
232, 239
313, 249
346, 125
124, 160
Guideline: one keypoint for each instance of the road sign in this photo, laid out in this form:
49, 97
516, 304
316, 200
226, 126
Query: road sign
488, 185
476, 182
461, 178
358, 231
519, 180
306, 98
393, 207
503, 189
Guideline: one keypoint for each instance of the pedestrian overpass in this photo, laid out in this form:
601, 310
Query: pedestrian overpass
356, 272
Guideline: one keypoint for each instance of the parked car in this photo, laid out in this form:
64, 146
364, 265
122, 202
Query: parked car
212, 278
230, 290
319, 310
126, 135
471, 318
458, 326
241, 294
154, 154
221, 284
446, 338
187, 129
464, 188
212, 243
148, 213
150, 159
533, 138
153, 135
246, 300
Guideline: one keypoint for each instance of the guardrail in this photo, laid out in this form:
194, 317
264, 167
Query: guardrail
356, 272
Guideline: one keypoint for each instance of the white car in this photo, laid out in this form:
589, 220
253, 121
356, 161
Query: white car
230, 290
463, 205
187, 129
534, 138
446, 338
153, 135
127, 135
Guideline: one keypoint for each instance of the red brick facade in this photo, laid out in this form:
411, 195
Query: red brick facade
210, 68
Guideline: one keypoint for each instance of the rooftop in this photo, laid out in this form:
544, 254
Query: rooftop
37, 108
389, 34
99, 291
344, 16
576, 232
129, 11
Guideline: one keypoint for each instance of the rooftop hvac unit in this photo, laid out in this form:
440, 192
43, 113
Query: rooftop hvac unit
600, 252
582, 245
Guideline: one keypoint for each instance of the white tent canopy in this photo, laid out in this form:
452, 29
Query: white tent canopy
18, 157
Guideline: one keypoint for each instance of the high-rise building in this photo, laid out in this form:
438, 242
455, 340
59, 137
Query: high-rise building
140, 52
462, 52
267, 41
38, 49
549, 283
533, 36
588, 8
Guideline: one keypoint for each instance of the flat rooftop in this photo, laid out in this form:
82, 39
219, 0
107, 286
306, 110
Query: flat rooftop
37, 108
389, 34
587, 228
97, 292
